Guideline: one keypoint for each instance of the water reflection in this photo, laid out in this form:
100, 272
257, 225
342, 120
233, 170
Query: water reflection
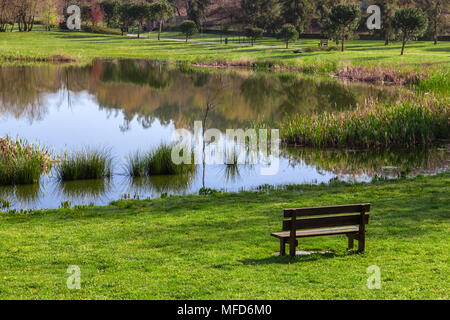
360, 163
148, 90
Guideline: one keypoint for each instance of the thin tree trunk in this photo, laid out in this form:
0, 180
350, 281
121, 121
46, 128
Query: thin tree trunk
342, 45
159, 30
435, 32
403, 45
386, 42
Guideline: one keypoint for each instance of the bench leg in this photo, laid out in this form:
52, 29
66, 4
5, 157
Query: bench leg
282, 247
350, 241
292, 248
362, 242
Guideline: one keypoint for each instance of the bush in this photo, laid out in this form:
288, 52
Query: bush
85, 164
21, 162
101, 30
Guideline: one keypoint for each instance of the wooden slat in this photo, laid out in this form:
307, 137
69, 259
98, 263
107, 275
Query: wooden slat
339, 221
316, 232
315, 211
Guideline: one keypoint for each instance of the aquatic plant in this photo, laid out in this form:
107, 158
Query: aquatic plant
85, 164
156, 162
136, 165
159, 162
22, 162
373, 125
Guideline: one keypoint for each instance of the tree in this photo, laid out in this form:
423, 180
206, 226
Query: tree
435, 11
140, 13
253, 34
343, 21
96, 13
188, 28
288, 33
264, 14
388, 8
196, 10
125, 16
110, 9
49, 14
27, 10
8, 14
410, 23
298, 13
162, 11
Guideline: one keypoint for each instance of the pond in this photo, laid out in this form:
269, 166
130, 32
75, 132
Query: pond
130, 105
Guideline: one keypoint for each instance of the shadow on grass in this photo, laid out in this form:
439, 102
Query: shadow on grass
277, 259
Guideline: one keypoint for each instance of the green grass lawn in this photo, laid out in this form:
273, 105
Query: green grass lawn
85, 46
218, 247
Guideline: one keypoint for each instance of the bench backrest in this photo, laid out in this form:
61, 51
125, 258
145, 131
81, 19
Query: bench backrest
323, 217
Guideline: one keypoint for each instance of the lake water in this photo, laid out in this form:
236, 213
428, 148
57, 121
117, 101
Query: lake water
130, 105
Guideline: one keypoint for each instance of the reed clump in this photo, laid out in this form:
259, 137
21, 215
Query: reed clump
156, 162
22, 162
373, 125
85, 164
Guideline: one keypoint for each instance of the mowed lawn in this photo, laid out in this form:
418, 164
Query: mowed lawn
219, 247
85, 46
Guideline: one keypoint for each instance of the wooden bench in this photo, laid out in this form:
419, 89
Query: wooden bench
323, 221
323, 43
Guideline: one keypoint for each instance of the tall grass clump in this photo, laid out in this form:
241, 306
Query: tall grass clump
438, 83
136, 165
21, 162
159, 162
373, 125
156, 162
86, 164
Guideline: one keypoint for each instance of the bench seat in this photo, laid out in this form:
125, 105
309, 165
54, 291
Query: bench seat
316, 232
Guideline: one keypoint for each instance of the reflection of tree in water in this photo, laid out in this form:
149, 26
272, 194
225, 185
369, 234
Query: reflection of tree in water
23, 91
152, 74
148, 90
371, 163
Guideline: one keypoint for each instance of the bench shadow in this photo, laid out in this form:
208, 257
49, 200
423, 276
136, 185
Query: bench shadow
277, 259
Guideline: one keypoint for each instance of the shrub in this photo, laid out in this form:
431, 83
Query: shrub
101, 30
21, 162
85, 164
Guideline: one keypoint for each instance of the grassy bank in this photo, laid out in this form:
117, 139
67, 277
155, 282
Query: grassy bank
86, 46
218, 247
373, 125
